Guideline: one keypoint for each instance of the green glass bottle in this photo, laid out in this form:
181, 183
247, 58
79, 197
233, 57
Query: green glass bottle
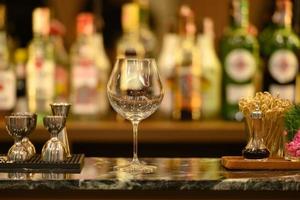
239, 55
281, 54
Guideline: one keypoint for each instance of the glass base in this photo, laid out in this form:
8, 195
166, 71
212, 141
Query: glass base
136, 168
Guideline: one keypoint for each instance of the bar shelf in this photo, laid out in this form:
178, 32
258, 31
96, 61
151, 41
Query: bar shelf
151, 131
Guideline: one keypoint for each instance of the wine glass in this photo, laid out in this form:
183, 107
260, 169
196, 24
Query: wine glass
135, 92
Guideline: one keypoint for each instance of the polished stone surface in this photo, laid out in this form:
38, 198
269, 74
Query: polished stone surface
173, 174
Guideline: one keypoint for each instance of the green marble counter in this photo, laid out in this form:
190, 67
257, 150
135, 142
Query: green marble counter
173, 174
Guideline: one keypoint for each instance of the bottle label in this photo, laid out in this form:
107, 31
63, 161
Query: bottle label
284, 91
61, 83
45, 80
189, 86
211, 90
235, 92
283, 66
7, 90
85, 93
20, 71
21, 105
240, 65
166, 105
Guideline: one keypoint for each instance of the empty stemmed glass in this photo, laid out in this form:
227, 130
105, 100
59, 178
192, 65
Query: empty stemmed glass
135, 92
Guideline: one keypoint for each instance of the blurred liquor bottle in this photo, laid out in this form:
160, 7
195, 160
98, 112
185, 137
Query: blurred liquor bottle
130, 43
57, 30
166, 65
188, 70
20, 70
7, 76
147, 36
211, 72
296, 16
240, 56
104, 68
296, 20
89, 71
40, 69
281, 53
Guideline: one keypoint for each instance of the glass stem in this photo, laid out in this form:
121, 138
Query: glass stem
135, 141
18, 141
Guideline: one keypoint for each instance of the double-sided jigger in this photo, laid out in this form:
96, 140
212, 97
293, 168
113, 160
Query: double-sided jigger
54, 150
62, 109
25, 141
18, 127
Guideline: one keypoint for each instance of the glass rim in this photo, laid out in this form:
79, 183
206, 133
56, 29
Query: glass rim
137, 59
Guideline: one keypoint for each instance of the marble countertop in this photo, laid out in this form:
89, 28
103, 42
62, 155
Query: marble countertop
172, 174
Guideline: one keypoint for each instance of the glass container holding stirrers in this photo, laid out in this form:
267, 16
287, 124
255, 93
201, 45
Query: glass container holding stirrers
272, 111
256, 148
135, 92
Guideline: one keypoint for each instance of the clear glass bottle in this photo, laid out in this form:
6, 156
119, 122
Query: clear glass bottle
89, 71
281, 54
147, 36
57, 30
239, 55
104, 67
188, 70
40, 67
7, 76
211, 72
130, 43
167, 64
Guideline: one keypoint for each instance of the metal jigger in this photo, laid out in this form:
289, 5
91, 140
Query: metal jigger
25, 141
62, 109
18, 127
54, 150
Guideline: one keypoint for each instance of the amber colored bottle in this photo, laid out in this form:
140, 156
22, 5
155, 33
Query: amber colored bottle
188, 70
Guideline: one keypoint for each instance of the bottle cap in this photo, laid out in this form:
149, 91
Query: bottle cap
187, 24
283, 13
208, 26
85, 23
130, 17
240, 12
40, 20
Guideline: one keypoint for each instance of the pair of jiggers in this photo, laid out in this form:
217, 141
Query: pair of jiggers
20, 125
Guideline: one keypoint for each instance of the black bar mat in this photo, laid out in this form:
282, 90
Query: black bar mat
73, 164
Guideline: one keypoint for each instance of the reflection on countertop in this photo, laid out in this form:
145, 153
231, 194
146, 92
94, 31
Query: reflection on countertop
172, 174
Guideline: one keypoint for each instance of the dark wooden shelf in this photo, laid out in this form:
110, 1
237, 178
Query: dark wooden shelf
149, 131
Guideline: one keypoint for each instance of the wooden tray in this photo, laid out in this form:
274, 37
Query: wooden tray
73, 164
238, 162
